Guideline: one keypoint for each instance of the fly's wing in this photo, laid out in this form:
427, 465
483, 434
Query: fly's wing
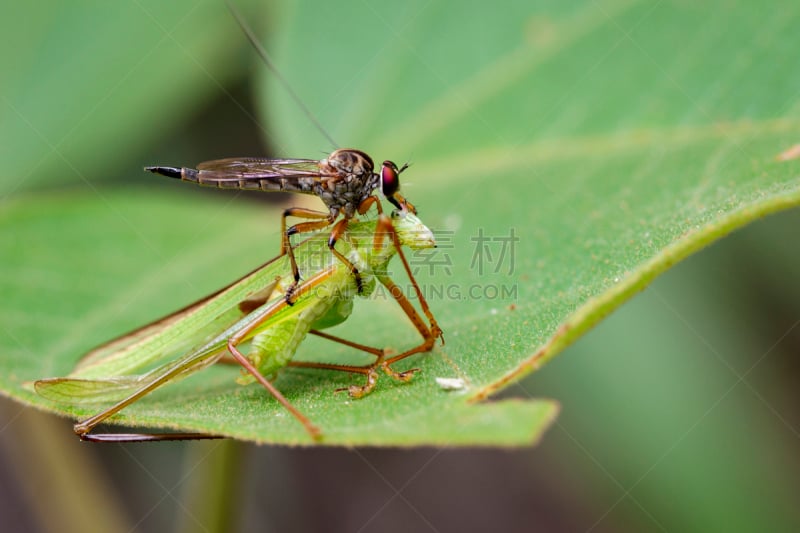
178, 332
252, 168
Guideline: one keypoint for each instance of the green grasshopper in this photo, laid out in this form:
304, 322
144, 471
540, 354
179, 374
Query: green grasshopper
256, 310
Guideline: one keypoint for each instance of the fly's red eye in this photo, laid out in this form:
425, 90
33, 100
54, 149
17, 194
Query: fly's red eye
390, 179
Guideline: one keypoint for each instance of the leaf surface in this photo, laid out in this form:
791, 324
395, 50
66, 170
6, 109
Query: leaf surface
565, 156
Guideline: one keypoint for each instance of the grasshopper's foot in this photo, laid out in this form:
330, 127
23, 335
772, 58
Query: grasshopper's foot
356, 391
81, 430
400, 376
314, 432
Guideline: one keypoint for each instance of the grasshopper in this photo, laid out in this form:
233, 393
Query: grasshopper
254, 311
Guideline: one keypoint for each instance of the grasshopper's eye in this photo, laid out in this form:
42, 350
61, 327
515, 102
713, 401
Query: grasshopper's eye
390, 179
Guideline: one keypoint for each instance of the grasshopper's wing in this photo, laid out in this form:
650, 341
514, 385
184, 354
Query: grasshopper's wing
80, 389
180, 331
67, 390
141, 334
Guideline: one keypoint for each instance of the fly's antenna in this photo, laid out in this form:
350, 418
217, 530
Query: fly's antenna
277, 73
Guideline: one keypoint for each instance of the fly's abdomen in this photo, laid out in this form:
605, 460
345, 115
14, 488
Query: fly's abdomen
228, 180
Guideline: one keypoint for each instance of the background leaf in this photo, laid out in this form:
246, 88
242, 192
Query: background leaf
89, 90
541, 235
614, 138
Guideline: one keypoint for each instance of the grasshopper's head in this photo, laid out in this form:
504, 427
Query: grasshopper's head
411, 231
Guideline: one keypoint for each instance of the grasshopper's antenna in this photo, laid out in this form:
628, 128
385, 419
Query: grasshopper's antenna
271, 66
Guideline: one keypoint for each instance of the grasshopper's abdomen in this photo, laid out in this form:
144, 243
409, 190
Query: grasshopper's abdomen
273, 348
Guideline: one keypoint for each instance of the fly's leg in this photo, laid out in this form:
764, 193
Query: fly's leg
321, 220
337, 232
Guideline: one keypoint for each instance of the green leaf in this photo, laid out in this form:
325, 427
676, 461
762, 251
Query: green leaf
82, 270
612, 139
87, 82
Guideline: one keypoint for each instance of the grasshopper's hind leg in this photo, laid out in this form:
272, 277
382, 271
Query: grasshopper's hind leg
369, 371
260, 318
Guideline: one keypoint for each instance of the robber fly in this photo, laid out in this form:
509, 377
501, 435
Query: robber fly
345, 181
271, 310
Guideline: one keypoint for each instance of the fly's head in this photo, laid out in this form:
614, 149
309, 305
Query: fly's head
390, 186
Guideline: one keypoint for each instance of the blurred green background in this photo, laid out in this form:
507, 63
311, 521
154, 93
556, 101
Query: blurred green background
679, 412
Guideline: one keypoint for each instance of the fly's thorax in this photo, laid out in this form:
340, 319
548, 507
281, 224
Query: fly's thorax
349, 161
348, 179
